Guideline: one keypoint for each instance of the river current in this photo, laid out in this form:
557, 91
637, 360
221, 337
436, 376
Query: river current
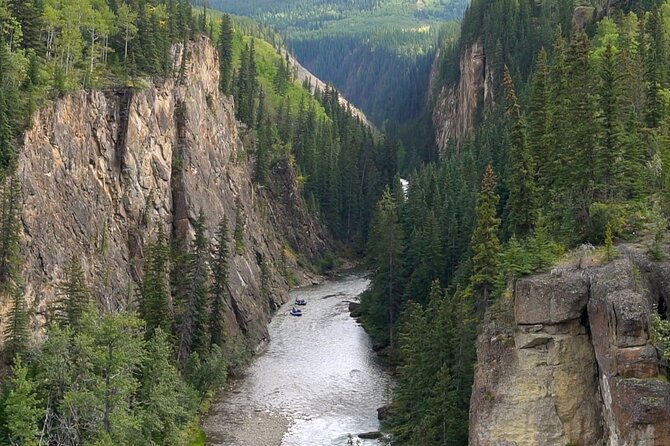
317, 381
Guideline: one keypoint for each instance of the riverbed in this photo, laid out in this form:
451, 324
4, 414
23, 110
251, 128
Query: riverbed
317, 381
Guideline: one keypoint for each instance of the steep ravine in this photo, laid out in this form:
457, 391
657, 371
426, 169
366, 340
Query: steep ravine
570, 361
101, 171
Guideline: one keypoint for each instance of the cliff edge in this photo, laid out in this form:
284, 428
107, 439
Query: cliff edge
570, 361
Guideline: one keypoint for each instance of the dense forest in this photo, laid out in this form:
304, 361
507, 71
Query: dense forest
576, 151
378, 53
140, 375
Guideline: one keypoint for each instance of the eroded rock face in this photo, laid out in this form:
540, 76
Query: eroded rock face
570, 360
101, 171
457, 107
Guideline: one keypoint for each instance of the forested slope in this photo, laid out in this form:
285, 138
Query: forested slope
379, 54
565, 144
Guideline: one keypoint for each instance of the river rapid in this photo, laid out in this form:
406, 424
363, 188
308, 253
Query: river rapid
317, 381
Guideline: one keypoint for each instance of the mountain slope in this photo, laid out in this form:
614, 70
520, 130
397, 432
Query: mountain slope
101, 172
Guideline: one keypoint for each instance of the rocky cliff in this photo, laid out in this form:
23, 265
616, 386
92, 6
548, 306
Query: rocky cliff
101, 171
457, 106
569, 361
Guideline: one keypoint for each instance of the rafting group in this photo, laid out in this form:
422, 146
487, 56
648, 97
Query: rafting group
297, 311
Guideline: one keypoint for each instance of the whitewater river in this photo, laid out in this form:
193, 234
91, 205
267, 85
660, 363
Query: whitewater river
317, 382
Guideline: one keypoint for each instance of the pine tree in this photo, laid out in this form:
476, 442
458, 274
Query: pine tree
74, 295
485, 243
522, 191
220, 290
226, 54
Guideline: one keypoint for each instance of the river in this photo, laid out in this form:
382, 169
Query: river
317, 381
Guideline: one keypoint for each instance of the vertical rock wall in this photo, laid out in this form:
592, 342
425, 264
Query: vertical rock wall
571, 363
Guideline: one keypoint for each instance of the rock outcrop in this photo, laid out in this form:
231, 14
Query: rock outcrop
570, 361
101, 171
457, 107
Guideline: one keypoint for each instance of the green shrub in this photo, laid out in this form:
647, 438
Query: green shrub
625, 220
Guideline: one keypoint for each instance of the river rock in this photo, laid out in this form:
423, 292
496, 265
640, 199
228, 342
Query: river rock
355, 309
370, 435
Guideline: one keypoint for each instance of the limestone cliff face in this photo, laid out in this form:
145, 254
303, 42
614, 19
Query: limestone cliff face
457, 106
574, 364
101, 171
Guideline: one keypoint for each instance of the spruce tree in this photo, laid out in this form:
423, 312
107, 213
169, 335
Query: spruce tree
154, 304
10, 228
201, 278
654, 69
539, 121
9, 111
74, 295
226, 54
583, 157
220, 290
485, 244
23, 408
521, 203
17, 336
612, 160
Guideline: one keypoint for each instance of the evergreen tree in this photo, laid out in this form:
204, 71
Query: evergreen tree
74, 295
22, 407
226, 54
538, 120
17, 336
201, 277
485, 243
521, 203
247, 85
170, 402
612, 159
654, 63
584, 153
383, 301
154, 305
220, 290
10, 228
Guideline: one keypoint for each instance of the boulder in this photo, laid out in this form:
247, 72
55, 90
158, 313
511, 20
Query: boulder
370, 435
547, 299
